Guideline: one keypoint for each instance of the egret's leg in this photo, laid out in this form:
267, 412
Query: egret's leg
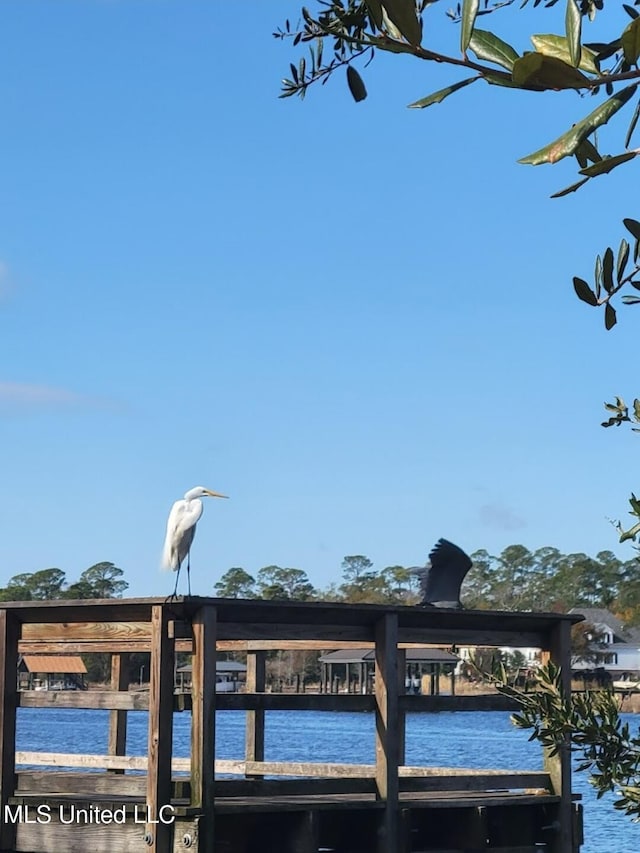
189, 574
175, 589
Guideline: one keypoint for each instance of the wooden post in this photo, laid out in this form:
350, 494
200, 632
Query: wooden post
558, 766
118, 719
402, 689
9, 634
254, 732
388, 740
160, 731
203, 702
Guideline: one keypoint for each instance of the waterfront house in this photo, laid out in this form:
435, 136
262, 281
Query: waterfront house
618, 647
51, 672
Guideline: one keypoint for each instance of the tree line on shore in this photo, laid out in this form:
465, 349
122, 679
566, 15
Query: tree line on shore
516, 579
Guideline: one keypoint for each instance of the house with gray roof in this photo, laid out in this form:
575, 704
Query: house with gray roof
618, 650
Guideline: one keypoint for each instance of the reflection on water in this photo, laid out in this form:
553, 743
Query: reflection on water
463, 739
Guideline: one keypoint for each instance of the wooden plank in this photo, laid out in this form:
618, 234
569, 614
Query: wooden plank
307, 645
488, 637
294, 702
387, 725
284, 787
481, 702
401, 667
285, 631
310, 769
117, 743
254, 726
9, 633
81, 647
444, 778
91, 784
559, 765
82, 783
135, 700
105, 762
203, 698
75, 838
83, 630
160, 742
138, 700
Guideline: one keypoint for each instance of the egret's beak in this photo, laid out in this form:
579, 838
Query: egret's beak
214, 494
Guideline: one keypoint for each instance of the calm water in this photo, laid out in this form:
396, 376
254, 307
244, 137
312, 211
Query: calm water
479, 740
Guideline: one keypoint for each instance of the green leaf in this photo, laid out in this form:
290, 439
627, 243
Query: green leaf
356, 84
570, 189
623, 257
607, 269
607, 164
375, 12
632, 124
633, 227
631, 300
566, 144
403, 14
489, 47
499, 78
609, 317
631, 42
539, 71
583, 291
573, 27
441, 94
468, 19
558, 46
590, 151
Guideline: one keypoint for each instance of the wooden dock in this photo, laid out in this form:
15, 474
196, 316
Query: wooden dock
159, 803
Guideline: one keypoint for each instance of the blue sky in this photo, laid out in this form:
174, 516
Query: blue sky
355, 320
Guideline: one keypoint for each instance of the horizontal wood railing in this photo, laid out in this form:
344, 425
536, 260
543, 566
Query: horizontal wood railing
426, 778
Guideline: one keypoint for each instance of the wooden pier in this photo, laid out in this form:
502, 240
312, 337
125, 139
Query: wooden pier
250, 805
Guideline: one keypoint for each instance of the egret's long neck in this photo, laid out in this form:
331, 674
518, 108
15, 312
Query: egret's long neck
192, 494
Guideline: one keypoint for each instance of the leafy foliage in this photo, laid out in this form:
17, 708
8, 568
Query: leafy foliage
360, 29
612, 273
591, 723
103, 580
607, 71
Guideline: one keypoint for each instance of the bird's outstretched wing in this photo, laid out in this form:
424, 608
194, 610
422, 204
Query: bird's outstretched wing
441, 581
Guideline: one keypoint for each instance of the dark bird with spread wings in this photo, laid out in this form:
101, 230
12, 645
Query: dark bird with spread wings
441, 579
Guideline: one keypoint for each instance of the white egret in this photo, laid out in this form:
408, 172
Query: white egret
181, 528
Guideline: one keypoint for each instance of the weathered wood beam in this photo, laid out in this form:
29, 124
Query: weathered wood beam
388, 741
134, 700
160, 742
83, 630
254, 726
294, 702
203, 699
104, 762
92, 784
558, 765
9, 633
117, 744
481, 702
81, 647
285, 631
